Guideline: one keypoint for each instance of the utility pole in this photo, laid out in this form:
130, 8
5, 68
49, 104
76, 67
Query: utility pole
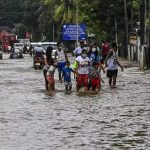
126, 24
142, 33
77, 22
132, 13
143, 21
116, 30
53, 31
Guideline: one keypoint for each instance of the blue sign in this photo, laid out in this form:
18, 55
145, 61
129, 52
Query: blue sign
74, 32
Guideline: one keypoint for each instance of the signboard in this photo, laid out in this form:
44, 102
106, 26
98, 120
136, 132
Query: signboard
74, 32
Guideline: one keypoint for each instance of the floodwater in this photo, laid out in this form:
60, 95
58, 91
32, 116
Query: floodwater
115, 119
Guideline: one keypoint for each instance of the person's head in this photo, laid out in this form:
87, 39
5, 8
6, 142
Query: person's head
49, 52
49, 49
60, 46
95, 65
39, 44
67, 64
84, 53
93, 48
114, 46
51, 62
81, 44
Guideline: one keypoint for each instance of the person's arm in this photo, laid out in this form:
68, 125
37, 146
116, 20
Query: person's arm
75, 51
73, 70
43, 52
119, 64
56, 54
77, 66
66, 57
110, 53
102, 67
45, 60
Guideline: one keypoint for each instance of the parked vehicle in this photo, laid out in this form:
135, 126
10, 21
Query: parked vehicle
53, 44
34, 44
7, 39
16, 53
18, 46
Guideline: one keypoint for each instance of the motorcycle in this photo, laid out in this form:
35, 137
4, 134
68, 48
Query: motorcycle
38, 63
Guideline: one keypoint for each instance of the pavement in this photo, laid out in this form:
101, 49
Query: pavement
127, 63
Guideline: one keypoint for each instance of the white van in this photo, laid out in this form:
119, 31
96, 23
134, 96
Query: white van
18, 46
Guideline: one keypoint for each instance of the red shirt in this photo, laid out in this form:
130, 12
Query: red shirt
105, 49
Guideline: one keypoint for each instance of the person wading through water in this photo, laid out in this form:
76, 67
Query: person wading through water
47, 59
112, 64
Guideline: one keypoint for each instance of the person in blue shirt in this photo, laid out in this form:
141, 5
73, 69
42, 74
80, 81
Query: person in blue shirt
67, 76
93, 54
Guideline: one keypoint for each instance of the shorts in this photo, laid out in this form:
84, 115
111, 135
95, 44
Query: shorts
61, 66
95, 83
68, 83
111, 73
50, 79
82, 80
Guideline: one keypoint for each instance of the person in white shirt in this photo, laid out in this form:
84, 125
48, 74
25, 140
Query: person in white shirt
61, 61
112, 65
79, 49
38, 50
82, 70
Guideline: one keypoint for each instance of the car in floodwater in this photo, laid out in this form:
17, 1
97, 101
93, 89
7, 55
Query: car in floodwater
53, 44
34, 44
18, 46
17, 51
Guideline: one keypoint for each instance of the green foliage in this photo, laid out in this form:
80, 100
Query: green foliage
136, 4
38, 16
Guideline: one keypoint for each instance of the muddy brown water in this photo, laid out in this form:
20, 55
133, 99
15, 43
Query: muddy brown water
114, 119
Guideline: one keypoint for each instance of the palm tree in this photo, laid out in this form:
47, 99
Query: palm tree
63, 10
66, 11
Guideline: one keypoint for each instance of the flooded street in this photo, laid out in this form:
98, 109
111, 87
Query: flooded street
115, 119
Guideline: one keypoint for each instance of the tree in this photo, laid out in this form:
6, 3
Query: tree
64, 10
40, 16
